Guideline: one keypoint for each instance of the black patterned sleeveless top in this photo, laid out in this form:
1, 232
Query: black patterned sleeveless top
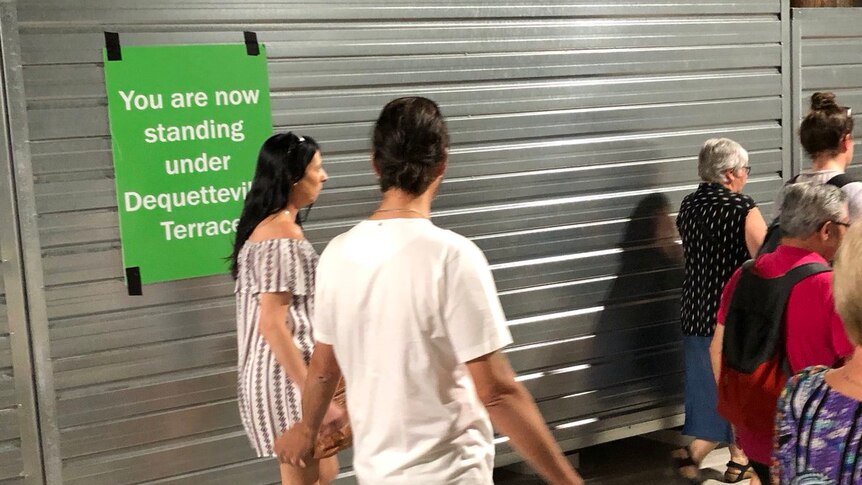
711, 222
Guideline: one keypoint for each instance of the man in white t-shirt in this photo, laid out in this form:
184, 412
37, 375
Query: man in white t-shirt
409, 313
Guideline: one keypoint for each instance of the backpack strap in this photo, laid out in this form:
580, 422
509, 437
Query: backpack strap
755, 324
786, 285
840, 180
799, 273
789, 280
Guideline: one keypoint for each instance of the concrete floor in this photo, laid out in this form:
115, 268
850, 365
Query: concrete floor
642, 460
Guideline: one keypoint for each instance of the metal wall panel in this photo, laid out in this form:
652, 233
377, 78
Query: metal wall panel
826, 57
565, 117
20, 455
11, 454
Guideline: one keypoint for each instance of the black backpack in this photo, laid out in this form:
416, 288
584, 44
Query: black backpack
754, 366
773, 233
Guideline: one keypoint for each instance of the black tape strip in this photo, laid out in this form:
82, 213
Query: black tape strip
112, 44
133, 280
252, 48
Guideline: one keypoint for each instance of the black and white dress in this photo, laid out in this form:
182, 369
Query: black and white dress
269, 402
711, 222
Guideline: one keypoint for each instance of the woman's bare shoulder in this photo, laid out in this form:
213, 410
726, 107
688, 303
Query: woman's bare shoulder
277, 227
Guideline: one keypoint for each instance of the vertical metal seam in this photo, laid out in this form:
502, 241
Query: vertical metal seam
786, 93
795, 88
31, 254
760, 129
16, 298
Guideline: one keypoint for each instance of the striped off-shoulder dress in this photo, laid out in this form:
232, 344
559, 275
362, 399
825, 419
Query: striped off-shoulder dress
269, 402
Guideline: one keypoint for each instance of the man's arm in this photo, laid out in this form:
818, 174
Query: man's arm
514, 414
296, 445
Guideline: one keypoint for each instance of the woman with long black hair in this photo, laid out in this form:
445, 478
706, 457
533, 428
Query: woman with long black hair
274, 265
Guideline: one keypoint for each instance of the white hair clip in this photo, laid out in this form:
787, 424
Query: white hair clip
301, 139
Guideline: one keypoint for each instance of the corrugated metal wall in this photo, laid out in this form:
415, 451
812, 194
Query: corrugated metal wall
827, 57
20, 455
11, 459
11, 454
564, 118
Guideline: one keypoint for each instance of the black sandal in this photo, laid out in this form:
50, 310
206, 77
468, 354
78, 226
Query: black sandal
744, 472
680, 463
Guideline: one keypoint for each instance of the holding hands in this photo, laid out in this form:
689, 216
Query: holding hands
298, 443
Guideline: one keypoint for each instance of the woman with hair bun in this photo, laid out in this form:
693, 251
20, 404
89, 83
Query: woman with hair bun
826, 134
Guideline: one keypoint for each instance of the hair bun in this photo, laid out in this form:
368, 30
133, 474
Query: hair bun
823, 101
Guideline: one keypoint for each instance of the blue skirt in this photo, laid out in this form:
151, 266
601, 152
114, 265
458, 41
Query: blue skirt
701, 396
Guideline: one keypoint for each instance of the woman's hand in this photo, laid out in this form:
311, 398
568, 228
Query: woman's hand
335, 419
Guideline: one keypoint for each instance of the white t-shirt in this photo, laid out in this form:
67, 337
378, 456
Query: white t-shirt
405, 304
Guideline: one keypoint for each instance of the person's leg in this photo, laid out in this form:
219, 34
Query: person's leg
700, 448
762, 471
738, 455
696, 451
739, 465
702, 420
328, 470
294, 475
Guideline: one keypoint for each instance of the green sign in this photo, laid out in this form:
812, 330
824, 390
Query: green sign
187, 123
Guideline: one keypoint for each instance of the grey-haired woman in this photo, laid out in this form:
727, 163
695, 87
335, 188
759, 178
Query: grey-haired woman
720, 229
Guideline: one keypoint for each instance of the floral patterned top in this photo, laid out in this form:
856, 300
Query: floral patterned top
818, 433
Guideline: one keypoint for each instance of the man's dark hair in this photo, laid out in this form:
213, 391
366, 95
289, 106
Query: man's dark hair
410, 144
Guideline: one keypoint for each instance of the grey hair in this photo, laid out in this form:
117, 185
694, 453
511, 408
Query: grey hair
717, 156
806, 207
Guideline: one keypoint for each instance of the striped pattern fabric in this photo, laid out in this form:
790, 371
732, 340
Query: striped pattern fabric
269, 402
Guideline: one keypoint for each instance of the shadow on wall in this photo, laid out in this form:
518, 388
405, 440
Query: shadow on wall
650, 269
641, 309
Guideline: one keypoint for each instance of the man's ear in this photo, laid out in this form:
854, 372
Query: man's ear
442, 169
445, 162
846, 142
374, 166
825, 231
